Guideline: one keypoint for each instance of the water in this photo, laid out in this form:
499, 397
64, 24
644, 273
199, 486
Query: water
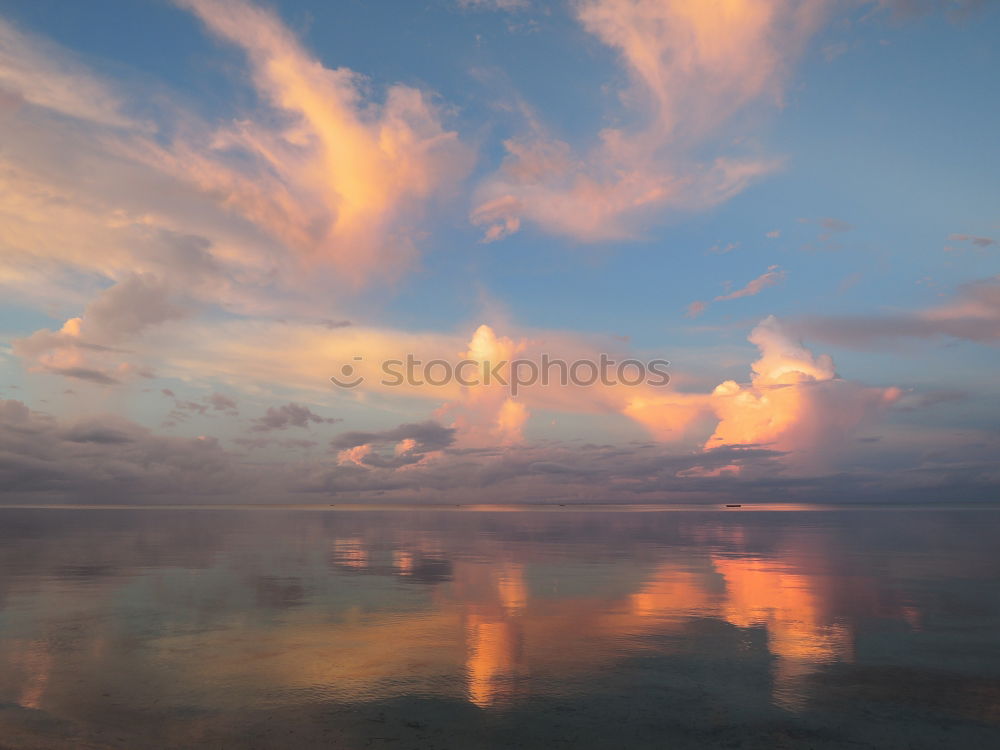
460, 628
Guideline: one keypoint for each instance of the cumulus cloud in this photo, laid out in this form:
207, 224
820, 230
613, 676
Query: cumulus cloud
487, 413
795, 401
411, 443
85, 346
692, 66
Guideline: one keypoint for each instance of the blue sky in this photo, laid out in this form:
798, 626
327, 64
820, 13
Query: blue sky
192, 189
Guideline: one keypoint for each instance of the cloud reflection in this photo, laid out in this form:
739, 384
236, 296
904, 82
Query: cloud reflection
225, 610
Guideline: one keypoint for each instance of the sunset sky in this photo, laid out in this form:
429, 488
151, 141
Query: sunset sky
210, 207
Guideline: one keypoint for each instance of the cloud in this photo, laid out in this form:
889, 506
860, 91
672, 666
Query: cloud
979, 243
495, 5
222, 402
289, 415
82, 373
97, 433
343, 178
412, 443
905, 9
318, 187
207, 406
834, 225
794, 402
830, 226
692, 67
772, 277
84, 347
695, 309
106, 459
202, 208
973, 315
486, 413
38, 72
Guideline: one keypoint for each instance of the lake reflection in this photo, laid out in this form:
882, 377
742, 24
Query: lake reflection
468, 629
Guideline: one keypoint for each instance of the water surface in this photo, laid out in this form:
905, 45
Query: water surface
468, 628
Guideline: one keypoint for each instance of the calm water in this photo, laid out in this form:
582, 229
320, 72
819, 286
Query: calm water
486, 629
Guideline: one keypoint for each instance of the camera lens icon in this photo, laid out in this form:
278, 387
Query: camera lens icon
348, 377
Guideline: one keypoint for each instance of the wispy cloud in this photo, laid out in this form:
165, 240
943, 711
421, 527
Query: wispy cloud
692, 67
40, 73
772, 277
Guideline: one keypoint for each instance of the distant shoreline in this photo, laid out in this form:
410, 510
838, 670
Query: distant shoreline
516, 507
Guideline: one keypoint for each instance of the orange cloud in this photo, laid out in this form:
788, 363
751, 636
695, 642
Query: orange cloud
794, 401
486, 413
344, 177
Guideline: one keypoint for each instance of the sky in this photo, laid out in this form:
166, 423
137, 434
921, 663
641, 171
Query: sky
221, 219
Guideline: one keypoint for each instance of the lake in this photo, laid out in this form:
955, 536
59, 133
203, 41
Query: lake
500, 627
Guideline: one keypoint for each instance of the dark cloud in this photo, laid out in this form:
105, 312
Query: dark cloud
973, 315
108, 459
97, 433
222, 402
83, 373
289, 415
430, 435
410, 442
112, 460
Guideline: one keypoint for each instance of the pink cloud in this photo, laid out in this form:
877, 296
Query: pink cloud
692, 67
771, 277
